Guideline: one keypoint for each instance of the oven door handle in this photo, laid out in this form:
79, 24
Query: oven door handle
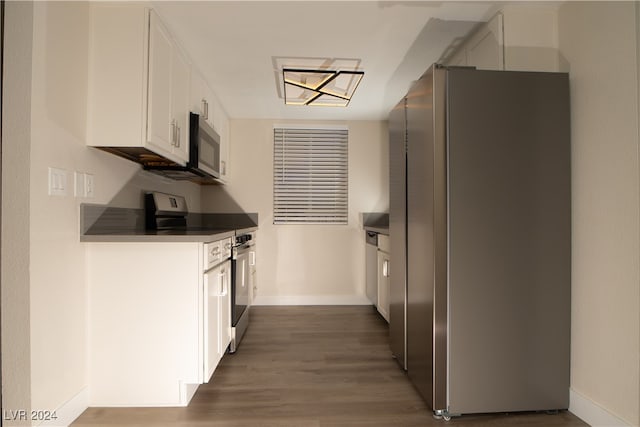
240, 250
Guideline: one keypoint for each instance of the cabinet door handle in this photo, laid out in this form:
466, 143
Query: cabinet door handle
385, 268
205, 109
223, 287
173, 132
177, 136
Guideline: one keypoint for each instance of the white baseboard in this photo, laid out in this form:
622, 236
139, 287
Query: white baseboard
312, 300
187, 391
592, 413
69, 411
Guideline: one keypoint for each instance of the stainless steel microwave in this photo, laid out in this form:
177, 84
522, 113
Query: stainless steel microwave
204, 147
204, 156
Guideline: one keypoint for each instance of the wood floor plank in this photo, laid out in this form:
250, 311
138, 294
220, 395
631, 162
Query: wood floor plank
310, 366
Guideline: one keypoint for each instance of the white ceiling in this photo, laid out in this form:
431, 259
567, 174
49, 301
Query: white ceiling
240, 45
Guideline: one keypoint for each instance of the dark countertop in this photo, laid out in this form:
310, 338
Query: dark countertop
379, 230
159, 236
377, 222
101, 223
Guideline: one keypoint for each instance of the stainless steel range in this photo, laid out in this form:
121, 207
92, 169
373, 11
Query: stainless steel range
168, 213
243, 263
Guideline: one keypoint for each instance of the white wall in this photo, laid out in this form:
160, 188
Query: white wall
16, 133
598, 44
305, 264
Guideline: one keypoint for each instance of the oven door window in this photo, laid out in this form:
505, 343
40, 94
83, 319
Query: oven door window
240, 297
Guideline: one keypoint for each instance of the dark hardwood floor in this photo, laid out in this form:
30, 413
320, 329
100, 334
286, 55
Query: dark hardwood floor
310, 366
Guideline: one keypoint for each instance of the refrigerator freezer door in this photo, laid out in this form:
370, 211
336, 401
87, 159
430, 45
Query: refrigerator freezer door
509, 241
426, 243
398, 232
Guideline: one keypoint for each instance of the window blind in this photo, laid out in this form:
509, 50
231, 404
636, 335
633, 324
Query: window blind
310, 183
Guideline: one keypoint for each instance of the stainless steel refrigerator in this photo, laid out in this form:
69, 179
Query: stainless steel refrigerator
480, 228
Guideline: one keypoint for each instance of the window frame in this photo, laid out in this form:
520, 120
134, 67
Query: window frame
315, 156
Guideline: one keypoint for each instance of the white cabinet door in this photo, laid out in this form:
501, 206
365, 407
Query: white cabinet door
221, 126
204, 102
253, 277
224, 310
485, 50
167, 112
215, 287
201, 97
217, 316
383, 284
180, 103
160, 122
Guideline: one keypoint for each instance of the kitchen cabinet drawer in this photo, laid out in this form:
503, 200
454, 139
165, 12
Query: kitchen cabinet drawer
215, 252
138, 99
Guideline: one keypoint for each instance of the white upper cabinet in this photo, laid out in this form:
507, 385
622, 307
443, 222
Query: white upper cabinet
138, 85
204, 102
201, 97
484, 49
519, 37
221, 125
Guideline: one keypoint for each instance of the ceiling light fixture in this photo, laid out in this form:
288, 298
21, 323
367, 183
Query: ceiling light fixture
326, 88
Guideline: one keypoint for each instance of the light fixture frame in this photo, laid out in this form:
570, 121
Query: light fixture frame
318, 90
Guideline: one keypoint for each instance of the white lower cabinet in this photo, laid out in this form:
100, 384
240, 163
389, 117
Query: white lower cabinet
217, 316
383, 276
151, 319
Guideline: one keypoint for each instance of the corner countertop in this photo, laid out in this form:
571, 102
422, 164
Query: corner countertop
377, 222
101, 223
175, 236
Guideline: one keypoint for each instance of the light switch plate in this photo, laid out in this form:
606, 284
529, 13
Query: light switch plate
57, 182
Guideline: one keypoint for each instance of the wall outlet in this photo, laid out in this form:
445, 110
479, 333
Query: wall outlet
78, 187
83, 185
57, 182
